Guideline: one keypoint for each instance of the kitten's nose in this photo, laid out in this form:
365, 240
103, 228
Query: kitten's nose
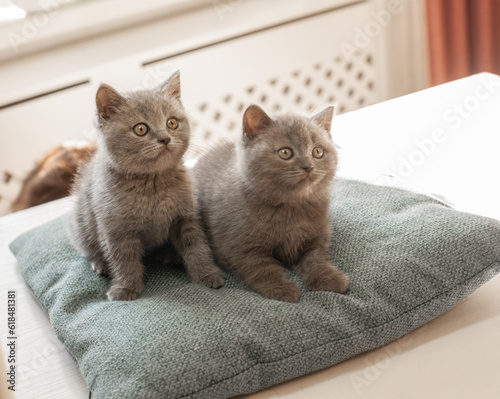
308, 168
164, 141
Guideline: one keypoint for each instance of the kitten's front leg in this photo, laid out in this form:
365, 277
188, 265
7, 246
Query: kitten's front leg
319, 273
191, 243
266, 276
99, 265
125, 264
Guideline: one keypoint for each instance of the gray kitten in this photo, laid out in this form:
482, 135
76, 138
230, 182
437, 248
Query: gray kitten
266, 205
135, 193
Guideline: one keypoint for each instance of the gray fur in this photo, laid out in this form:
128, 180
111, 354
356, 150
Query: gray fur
262, 213
135, 194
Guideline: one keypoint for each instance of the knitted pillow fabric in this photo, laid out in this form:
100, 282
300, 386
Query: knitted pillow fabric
409, 259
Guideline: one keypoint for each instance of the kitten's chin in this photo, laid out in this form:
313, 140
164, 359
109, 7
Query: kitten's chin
297, 193
165, 159
162, 164
158, 153
309, 187
306, 182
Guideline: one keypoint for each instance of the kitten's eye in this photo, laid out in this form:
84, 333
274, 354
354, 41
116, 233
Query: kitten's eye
318, 152
285, 153
173, 123
141, 129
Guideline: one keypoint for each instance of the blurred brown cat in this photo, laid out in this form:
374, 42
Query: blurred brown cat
53, 176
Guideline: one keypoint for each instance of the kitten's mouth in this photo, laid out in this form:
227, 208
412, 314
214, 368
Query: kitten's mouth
159, 154
307, 178
163, 150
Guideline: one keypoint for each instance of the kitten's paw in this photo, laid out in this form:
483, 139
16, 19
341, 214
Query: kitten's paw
99, 267
333, 280
286, 292
122, 294
213, 280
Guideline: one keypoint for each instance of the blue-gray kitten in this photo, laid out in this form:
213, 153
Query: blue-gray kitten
135, 194
266, 205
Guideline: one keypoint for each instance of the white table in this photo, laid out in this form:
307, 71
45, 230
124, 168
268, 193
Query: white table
442, 141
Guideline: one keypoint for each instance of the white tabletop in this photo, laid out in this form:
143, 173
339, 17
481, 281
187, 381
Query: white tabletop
441, 141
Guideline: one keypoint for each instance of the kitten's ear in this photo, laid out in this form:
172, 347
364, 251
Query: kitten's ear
107, 100
254, 120
324, 118
172, 87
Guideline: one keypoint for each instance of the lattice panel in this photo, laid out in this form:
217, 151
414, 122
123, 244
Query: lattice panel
349, 84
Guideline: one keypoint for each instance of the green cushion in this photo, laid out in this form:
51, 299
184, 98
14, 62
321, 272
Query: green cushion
409, 257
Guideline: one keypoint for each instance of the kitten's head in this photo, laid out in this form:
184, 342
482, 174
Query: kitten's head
289, 159
146, 131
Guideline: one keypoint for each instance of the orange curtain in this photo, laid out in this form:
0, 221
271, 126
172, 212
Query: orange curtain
464, 38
